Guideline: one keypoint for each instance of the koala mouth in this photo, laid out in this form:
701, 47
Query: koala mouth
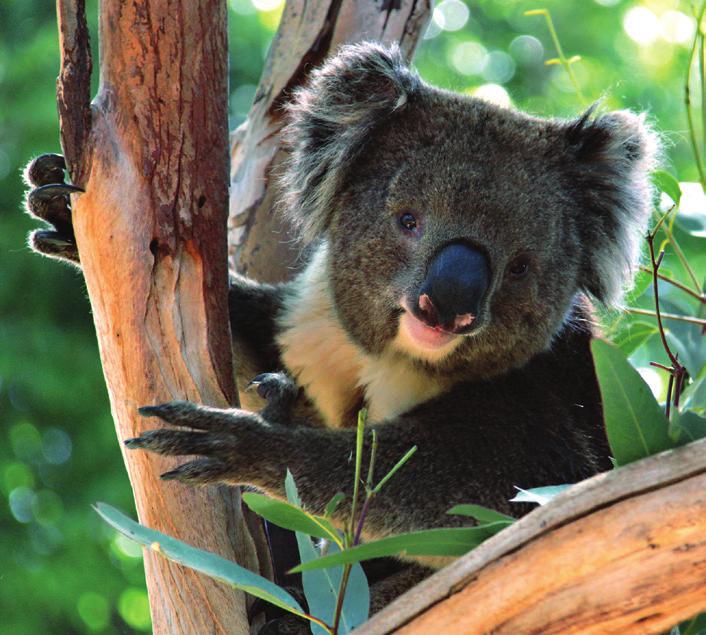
419, 340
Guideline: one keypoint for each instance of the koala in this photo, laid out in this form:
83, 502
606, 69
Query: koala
455, 249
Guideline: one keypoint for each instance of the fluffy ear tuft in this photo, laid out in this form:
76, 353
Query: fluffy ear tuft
330, 121
613, 155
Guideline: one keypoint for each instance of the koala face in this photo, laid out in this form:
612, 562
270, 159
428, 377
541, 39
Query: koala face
459, 232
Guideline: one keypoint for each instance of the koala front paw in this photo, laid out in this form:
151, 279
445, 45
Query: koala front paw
50, 201
280, 392
224, 438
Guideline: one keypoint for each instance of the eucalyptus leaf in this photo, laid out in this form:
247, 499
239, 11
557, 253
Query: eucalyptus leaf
666, 183
333, 504
480, 513
635, 424
321, 585
687, 426
634, 335
539, 495
203, 561
694, 397
291, 516
452, 542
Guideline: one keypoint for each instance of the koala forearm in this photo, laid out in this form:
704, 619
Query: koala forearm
253, 310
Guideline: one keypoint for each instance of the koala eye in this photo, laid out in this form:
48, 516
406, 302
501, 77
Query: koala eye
409, 222
519, 267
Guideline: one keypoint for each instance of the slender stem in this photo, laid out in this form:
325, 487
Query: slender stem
683, 259
371, 467
662, 366
655, 286
687, 97
316, 620
670, 385
363, 514
667, 316
702, 82
701, 297
560, 52
341, 594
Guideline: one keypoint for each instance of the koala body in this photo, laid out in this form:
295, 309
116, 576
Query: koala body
453, 246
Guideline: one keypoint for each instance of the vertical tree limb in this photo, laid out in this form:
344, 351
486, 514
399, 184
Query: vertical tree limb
150, 230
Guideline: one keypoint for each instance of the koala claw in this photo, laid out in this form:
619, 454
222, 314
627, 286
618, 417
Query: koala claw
199, 472
46, 168
274, 386
49, 201
190, 415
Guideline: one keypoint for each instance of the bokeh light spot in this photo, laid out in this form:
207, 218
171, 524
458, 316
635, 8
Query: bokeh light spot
126, 547
527, 50
134, 608
468, 58
26, 441
56, 446
267, 5
499, 67
677, 27
641, 25
21, 500
17, 475
94, 610
454, 14
243, 7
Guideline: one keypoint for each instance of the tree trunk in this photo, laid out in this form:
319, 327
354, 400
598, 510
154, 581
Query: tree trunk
152, 155
622, 552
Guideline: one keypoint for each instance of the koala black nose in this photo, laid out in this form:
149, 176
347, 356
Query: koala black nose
456, 282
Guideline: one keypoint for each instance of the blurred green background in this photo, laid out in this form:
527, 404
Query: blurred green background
61, 569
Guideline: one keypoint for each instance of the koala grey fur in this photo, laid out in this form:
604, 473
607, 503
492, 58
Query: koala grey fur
514, 402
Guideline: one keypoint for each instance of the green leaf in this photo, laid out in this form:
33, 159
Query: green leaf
291, 517
634, 421
333, 504
454, 541
203, 561
539, 495
666, 183
321, 585
480, 513
687, 426
642, 282
634, 335
694, 397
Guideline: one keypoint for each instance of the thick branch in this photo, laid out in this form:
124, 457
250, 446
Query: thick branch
622, 552
151, 235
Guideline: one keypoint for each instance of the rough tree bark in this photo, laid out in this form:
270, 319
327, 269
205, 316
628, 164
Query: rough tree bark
152, 155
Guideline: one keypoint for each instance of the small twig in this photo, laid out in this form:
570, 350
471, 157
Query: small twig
701, 297
682, 258
666, 316
687, 96
566, 63
670, 385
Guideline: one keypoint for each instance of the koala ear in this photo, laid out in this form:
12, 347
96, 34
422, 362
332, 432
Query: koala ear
612, 156
330, 121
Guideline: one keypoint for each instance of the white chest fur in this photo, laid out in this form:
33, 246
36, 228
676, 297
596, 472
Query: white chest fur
332, 369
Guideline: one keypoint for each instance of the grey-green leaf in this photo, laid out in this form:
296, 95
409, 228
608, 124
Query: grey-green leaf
480, 513
666, 183
290, 516
539, 495
635, 424
453, 542
321, 585
203, 561
687, 426
634, 335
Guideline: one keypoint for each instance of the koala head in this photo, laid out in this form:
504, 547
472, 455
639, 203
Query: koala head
459, 231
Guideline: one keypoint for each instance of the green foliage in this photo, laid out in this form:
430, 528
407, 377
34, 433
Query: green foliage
538, 495
200, 560
634, 421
